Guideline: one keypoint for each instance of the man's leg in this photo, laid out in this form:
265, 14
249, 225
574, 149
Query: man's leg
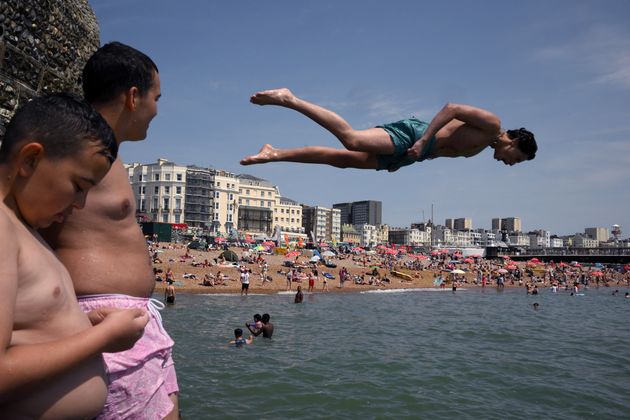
173, 415
372, 140
339, 158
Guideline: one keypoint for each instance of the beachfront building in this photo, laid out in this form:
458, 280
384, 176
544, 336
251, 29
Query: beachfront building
256, 201
366, 212
368, 235
519, 239
159, 189
598, 233
225, 186
321, 223
350, 235
407, 236
583, 241
540, 239
487, 237
210, 200
198, 211
555, 242
382, 234
287, 218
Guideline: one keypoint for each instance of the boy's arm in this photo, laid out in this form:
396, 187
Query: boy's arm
256, 332
476, 117
35, 364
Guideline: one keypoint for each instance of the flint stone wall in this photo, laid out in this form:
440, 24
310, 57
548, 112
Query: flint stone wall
44, 45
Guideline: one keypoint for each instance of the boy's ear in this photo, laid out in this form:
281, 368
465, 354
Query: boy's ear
29, 157
131, 98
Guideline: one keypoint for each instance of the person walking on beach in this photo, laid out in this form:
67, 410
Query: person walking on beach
289, 279
455, 131
244, 281
123, 85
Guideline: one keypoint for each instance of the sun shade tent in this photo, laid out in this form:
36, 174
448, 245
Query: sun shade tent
229, 256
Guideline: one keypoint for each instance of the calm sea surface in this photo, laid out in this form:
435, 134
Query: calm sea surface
429, 354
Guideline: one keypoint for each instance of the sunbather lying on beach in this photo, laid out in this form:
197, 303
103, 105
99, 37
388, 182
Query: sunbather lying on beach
456, 130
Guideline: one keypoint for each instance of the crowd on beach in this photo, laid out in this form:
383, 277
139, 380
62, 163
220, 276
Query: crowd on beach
226, 269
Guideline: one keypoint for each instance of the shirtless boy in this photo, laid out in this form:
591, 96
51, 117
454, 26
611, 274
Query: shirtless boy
103, 246
55, 149
455, 131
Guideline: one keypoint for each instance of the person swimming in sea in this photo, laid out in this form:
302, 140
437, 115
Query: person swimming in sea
455, 131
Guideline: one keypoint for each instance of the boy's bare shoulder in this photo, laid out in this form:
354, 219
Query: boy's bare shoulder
7, 223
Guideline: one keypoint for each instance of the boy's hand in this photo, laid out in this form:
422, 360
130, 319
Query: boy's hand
125, 327
97, 315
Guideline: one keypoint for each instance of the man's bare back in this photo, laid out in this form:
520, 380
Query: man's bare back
46, 310
102, 245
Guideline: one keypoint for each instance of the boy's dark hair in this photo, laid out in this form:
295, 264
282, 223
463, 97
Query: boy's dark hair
238, 333
61, 122
115, 68
257, 317
265, 318
526, 141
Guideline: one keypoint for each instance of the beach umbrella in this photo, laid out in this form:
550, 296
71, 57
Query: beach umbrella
315, 258
292, 254
626, 267
469, 260
458, 271
328, 254
419, 256
597, 273
502, 271
435, 252
269, 243
219, 239
511, 267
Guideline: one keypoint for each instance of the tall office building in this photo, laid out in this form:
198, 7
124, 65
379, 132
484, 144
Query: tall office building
345, 212
367, 212
510, 224
598, 233
450, 223
463, 223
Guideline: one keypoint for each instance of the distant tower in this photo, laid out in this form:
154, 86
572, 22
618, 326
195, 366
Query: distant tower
616, 232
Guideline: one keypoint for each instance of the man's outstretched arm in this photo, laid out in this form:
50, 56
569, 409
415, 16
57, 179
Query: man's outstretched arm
476, 117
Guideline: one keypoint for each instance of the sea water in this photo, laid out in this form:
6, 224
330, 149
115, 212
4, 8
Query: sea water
415, 353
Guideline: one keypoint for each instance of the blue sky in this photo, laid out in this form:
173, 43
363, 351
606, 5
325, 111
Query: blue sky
560, 68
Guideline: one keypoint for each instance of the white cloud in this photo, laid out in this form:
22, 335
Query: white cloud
603, 49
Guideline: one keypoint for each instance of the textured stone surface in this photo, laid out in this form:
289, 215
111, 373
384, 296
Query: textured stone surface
44, 45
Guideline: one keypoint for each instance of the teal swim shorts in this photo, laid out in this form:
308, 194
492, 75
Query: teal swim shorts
404, 134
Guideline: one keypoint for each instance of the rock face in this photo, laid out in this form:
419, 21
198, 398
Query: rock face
44, 45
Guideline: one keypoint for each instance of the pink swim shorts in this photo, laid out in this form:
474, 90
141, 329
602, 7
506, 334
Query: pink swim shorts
141, 378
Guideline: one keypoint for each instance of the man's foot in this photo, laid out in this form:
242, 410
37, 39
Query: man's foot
281, 97
266, 154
